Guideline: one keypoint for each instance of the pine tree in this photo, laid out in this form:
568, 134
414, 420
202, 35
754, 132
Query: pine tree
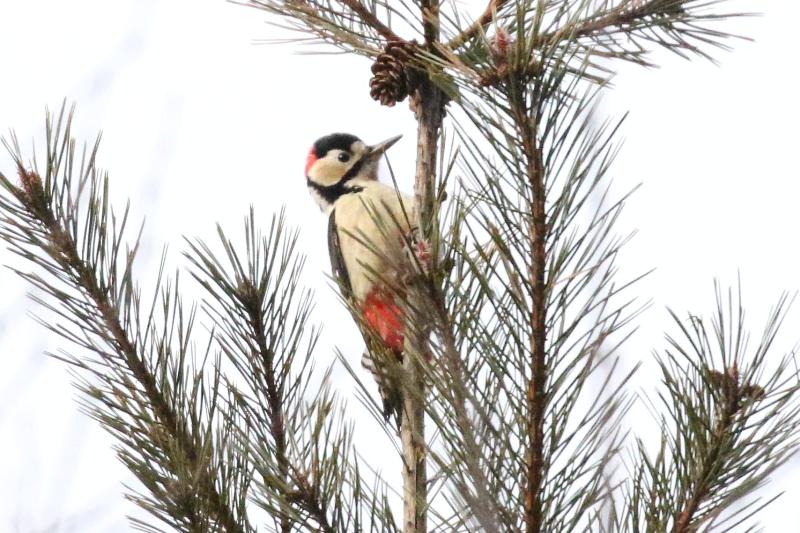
514, 395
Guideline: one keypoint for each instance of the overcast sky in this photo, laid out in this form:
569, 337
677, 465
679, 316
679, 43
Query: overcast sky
199, 123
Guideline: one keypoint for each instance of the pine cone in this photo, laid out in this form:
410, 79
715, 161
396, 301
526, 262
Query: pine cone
393, 75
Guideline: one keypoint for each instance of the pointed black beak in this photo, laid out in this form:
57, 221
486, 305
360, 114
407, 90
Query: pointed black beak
377, 150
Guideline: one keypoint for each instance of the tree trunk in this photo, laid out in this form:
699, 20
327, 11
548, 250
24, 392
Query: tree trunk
428, 104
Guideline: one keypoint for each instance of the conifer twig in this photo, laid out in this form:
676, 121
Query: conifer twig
478, 25
428, 104
40, 222
673, 24
481, 504
536, 397
369, 18
711, 463
430, 21
261, 330
727, 424
303, 495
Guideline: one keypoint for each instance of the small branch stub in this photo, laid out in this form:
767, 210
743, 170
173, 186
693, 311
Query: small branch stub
32, 190
501, 44
731, 388
506, 63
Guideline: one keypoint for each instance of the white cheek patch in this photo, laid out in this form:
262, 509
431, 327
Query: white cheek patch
327, 171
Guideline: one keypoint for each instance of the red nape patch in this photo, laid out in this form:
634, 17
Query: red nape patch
384, 317
311, 158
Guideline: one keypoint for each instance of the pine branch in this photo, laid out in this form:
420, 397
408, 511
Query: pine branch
41, 223
428, 103
430, 21
530, 312
727, 429
701, 485
479, 25
538, 319
252, 305
346, 24
591, 32
369, 18
579, 316
527, 131
631, 16
262, 334
481, 504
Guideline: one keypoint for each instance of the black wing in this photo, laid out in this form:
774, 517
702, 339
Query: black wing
390, 393
338, 268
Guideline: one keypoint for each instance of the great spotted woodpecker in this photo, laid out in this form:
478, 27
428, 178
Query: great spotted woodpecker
370, 226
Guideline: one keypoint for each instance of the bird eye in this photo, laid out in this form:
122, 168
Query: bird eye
344, 157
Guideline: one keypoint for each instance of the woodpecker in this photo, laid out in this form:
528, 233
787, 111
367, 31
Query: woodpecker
369, 226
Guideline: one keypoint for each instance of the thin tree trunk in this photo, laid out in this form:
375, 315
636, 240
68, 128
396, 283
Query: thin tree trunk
429, 106
412, 436
428, 103
536, 384
536, 400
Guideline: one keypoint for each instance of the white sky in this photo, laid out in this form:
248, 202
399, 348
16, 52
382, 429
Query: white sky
198, 123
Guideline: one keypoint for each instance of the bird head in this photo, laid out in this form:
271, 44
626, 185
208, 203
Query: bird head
337, 159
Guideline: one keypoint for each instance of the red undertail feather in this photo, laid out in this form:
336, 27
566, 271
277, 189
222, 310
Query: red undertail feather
384, 317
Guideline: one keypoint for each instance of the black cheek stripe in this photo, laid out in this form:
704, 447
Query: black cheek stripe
331, 193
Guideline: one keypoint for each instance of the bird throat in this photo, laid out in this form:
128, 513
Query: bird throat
329, 194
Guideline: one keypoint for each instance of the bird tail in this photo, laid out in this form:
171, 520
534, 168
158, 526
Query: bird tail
384, 322
387, 386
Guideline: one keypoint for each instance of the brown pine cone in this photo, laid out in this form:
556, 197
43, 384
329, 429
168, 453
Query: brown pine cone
393, 75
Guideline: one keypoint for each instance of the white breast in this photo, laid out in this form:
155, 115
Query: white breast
373, 220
